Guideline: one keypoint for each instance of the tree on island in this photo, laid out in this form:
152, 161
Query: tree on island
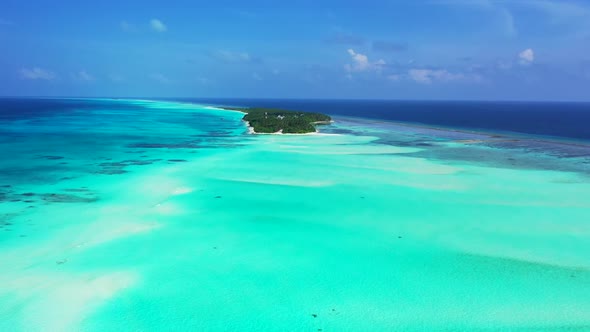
267, 120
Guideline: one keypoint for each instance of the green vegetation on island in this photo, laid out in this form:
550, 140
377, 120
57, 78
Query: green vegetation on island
267, 120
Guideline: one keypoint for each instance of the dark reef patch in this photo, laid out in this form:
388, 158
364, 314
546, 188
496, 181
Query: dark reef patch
111, 171
115, 164
186, 145
77, 190
214, 133
5, 219
403, 143
140, 162
177, 160
424, 144
67, 198
118, 167
53, 157
126, 163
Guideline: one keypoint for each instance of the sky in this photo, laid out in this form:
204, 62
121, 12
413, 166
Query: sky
405, 49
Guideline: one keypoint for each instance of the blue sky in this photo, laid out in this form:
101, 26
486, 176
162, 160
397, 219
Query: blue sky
420, 49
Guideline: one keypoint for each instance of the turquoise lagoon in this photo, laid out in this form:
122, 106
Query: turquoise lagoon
138, 215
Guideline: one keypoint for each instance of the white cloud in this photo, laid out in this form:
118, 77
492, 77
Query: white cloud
526, 57
158, 25
37, 73
428, 76
83, 76
360, 63
160, 78
424, 76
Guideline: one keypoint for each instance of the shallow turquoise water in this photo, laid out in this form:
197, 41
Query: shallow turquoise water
170, 217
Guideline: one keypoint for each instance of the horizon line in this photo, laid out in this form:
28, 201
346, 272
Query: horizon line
303, 99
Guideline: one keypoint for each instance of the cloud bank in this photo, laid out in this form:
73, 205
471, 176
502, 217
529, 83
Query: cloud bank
361, 63
158, 25
429, 76
526, 57
37, 73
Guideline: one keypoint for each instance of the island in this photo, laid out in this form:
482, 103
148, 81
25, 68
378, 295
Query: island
271, 121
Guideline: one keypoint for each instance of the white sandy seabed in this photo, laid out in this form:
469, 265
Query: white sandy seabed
293, 233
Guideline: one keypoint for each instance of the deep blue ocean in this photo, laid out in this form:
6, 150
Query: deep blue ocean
552, 119
557, 119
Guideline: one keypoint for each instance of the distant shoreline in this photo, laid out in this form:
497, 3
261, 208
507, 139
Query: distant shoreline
251, 131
